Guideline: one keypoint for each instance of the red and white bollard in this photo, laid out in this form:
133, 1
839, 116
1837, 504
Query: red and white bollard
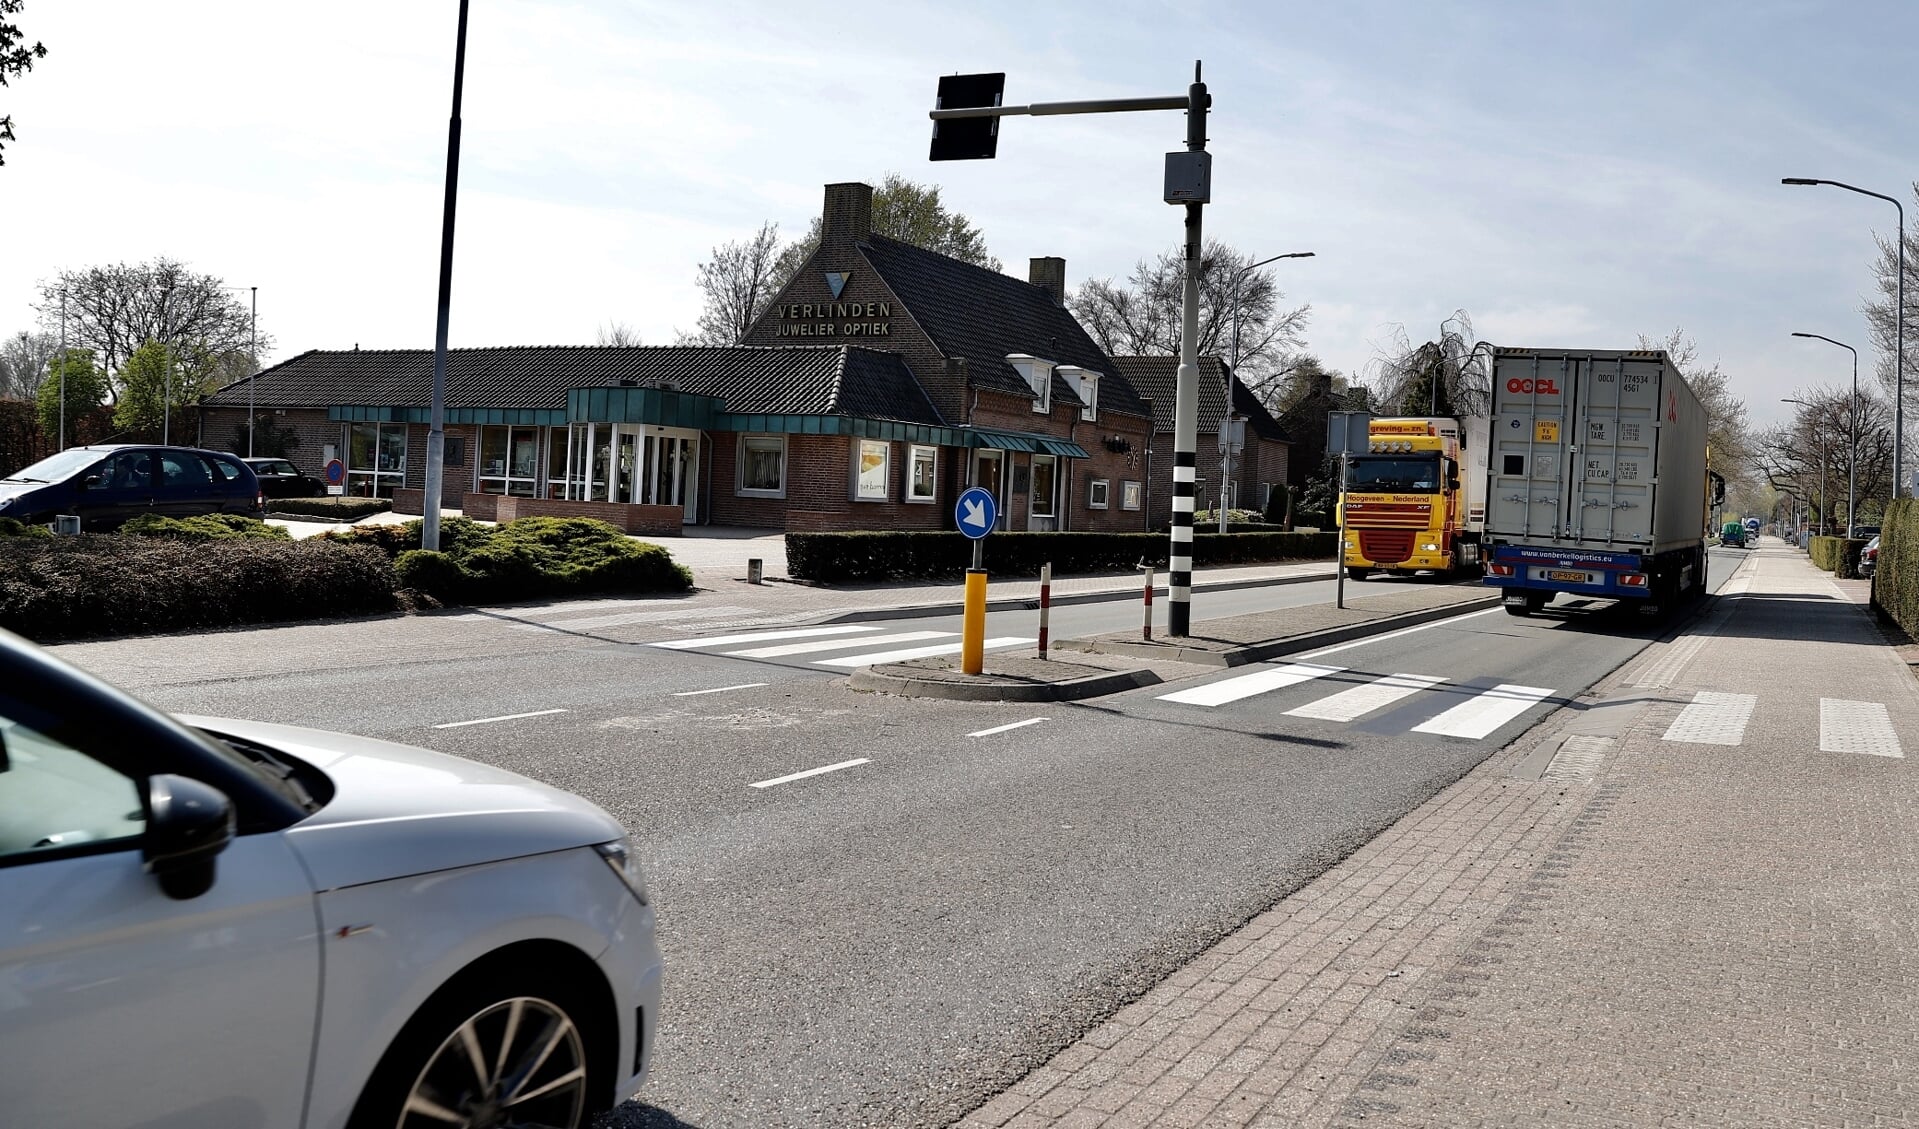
1045, 602
1146, 629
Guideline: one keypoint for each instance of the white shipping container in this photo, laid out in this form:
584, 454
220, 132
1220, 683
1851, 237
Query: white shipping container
1595, 449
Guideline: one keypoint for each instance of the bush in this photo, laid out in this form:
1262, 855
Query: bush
1837, 555
13, 527
854, 557
456, 535
204, 527
1237, 517
339, 508
434, 574
1276, 504
105, 584
1895, 579
526, 559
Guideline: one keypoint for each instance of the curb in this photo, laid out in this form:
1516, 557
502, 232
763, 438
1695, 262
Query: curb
1259, 652
1072, 690
1018, 603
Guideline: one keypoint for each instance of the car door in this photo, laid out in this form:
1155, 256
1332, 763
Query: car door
187, 486
124, 489
120, 1005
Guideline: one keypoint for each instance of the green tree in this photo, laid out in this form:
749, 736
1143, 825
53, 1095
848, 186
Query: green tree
145, 381
86, 389
16, 58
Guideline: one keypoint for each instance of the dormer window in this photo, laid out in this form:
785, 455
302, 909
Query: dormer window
1039, 377
1085, 385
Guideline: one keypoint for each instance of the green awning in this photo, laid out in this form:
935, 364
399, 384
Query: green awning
1002, 441
1063, 448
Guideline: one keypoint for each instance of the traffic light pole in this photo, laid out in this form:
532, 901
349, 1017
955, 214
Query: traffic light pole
1186, 395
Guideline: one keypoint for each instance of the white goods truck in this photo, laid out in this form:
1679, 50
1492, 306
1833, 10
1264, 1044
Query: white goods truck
1596, 479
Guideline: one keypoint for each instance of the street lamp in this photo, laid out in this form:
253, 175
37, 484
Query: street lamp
1226, 421
1898, 329
1825, 514
1852, 460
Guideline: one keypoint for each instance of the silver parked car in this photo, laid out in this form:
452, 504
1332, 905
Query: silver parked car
210, 923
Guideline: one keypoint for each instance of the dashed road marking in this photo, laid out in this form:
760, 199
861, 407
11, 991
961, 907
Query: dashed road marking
789, 778
718, 690
1246, 685
1007, 728
502, 717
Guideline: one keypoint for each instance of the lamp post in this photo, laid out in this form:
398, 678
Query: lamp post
1226, 421
1852, 460
63, 368
1898, 328
1825, 513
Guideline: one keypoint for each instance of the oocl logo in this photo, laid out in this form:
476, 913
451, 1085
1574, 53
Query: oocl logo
1542, 387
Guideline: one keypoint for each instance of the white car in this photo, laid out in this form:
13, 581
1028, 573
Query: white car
225, 925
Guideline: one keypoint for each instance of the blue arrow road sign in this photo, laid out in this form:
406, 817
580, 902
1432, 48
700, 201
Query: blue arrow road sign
976, 512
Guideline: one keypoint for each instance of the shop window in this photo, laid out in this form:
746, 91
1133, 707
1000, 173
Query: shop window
763, 466
1045, 481
376, 458
1097, 493
872, 467
1129, 495
510, 461
922, 477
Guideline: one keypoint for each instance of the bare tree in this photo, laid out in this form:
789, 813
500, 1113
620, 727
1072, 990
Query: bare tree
1881, 320
619, 335
1447, 376
1727, 432
113, 310
1240, 318
1811, 457
738, 282
24, 359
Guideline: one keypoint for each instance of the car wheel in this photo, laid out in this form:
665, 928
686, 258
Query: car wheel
489, 1058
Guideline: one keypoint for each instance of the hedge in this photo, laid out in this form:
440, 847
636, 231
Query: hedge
527, 559
854, 557
339, 508
204, 527
106, 584
13, 527
1837, 555
1895, 579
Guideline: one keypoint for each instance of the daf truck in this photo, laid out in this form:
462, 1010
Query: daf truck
1596, 483
1416, 498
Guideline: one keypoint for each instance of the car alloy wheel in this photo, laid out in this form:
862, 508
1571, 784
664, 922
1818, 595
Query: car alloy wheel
519, 1062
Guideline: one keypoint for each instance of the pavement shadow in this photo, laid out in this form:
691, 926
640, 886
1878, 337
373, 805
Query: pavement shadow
637, 1115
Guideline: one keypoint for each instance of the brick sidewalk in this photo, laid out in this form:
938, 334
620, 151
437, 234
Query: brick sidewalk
1638, 931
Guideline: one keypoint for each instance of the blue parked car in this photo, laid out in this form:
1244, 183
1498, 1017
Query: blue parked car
108, 485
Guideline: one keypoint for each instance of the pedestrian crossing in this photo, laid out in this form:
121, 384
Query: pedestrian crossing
871, 644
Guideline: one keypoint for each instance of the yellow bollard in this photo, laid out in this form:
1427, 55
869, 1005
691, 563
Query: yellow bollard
973, 623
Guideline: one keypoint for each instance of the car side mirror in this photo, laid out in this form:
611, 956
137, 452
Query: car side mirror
188, 824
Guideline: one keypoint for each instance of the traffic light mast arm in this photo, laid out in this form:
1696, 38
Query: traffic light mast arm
1041, 109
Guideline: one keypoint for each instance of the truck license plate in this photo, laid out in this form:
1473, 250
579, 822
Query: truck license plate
1571, 577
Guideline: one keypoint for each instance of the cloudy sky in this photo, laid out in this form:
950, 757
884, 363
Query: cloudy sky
1569, 173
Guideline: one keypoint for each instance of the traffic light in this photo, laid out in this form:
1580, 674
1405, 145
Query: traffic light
967, 139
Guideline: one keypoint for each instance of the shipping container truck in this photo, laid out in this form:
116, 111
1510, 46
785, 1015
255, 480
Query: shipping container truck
1596, 481
1416, 498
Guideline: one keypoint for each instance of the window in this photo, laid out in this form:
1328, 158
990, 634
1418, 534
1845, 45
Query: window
53, 796
871, 459
1097, 492
128, 470
1085, 385
763, 465
922, 479
1129, 495
376, 458
183, 468
453, 452
1038, 375
510, 461
1045, 477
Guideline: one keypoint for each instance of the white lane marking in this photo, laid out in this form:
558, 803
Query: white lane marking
809, 772
918, 653
654, 614
1246, 685
780, 650
1485, 712
1857, 727
1323, 652
759, 637
1353, 704
1713, 718
1004, 728
717, 690
502, 717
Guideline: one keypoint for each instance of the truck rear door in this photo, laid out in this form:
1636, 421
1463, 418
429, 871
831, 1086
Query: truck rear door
1616, 406
1526, 497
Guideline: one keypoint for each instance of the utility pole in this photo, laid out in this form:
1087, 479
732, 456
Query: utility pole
436, 426
63, 368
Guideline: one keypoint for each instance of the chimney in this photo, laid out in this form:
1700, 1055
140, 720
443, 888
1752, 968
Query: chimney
1049, 274
848, 217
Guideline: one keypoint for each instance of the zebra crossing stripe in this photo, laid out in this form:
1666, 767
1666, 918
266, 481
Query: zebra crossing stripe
758, 637
1246, 685
917, 653
1485, 712
1713, 718
1353, 704
1857, 727
784, 649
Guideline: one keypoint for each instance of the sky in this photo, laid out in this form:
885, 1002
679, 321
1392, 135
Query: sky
1568, 173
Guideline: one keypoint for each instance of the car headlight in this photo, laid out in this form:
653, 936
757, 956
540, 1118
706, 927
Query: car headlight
1430, 548
619, 855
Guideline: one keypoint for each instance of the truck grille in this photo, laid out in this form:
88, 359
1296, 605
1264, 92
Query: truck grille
1386, 546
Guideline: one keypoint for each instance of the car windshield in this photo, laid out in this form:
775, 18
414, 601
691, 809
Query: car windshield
53, 468
1413, 474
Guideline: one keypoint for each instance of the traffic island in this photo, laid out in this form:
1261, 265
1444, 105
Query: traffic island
1017, 677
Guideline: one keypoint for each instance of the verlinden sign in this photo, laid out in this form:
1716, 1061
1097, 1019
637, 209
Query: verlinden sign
801, 319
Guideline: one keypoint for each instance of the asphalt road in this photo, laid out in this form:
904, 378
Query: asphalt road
892, 941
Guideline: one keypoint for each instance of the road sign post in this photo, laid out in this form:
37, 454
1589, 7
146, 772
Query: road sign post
976, 513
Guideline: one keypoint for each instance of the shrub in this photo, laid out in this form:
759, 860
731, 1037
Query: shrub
94, 584
526, 559
1837, 555
864, 556
204, 527
339, 508
1895, 579
13, 527
434, 574
456, 535
1237, 517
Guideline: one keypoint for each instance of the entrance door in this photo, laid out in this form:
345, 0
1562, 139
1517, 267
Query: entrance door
989, 472
672, 478
626, 467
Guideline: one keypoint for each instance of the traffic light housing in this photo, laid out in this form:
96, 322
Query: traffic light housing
967, 139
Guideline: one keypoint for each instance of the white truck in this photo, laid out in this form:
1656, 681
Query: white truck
1596, 479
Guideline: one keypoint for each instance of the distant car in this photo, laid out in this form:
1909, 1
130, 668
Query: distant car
281, 479
1865, 531
1869, 558
108, 485
224, 923
1733, 533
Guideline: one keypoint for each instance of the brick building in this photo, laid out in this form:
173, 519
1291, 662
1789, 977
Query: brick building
1266, 449
880, 383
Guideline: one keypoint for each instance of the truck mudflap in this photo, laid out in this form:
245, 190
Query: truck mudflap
1619, 576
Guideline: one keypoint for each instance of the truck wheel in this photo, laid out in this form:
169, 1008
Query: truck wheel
1354, 572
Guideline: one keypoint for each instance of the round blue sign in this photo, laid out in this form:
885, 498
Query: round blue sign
335, 472
976, 513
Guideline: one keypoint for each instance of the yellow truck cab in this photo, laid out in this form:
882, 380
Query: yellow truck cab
1416, 498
